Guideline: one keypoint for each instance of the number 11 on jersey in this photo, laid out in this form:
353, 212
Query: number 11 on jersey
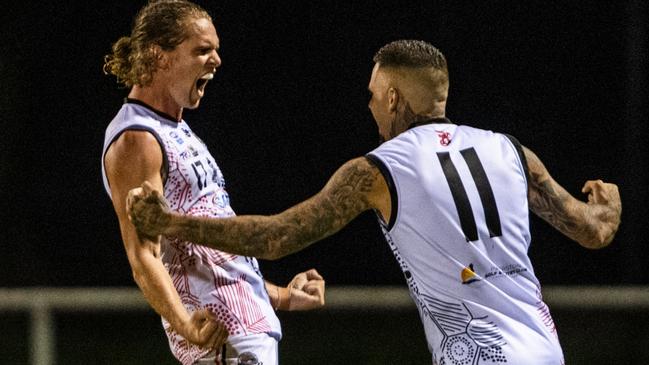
461, 199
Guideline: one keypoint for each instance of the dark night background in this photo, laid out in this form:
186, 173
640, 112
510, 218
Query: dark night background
289, 105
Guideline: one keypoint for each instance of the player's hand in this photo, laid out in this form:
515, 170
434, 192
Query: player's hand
606, 198
204, 330
306, 291
603, 193
148, 211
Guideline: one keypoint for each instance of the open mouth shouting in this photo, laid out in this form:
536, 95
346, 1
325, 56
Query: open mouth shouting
202, 82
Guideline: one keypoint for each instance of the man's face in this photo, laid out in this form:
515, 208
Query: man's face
379, 103
193, 63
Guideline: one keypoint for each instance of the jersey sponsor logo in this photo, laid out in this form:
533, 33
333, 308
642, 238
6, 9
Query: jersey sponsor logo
468, 275
176, 137
511, 270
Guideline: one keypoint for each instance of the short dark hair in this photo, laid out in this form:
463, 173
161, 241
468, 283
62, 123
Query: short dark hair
410, 53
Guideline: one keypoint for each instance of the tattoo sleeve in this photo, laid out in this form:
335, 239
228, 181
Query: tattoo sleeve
591, 225
548, 200
345, 196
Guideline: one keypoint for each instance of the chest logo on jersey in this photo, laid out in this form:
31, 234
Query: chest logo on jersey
444, 138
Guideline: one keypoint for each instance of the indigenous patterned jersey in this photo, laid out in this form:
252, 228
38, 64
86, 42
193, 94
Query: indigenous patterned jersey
231, 286
459, 228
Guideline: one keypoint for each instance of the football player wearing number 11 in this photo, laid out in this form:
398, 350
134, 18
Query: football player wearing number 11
453, 202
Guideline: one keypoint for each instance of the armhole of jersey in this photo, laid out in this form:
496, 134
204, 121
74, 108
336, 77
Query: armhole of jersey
165, 162
521, 154
394, 200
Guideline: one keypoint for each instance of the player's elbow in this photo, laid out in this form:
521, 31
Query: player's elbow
599, 227
139, 268
138, 276
601, 237
594, 244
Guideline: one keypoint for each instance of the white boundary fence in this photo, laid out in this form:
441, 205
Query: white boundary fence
40, 303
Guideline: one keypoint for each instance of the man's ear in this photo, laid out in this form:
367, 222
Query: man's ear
393, 99
161, 57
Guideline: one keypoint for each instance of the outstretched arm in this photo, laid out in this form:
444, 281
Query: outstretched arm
592, 224
356, 187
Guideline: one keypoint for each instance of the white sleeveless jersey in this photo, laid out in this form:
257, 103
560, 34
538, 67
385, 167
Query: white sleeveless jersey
231, 286
460, 231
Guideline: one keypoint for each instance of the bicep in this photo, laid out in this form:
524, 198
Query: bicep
355, 187
133, 158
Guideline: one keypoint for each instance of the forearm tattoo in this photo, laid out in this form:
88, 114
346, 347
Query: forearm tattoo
551, 204
556, 206
343, 198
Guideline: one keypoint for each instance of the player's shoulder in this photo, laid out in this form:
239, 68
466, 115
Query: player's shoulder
134, 155
137, 115
476, 131
359, 164
487, 136
137, 138
134, 143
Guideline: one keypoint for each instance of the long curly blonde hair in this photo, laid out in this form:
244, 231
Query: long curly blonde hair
164, 23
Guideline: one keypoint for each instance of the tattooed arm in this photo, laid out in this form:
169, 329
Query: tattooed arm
356, 187
592, 224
